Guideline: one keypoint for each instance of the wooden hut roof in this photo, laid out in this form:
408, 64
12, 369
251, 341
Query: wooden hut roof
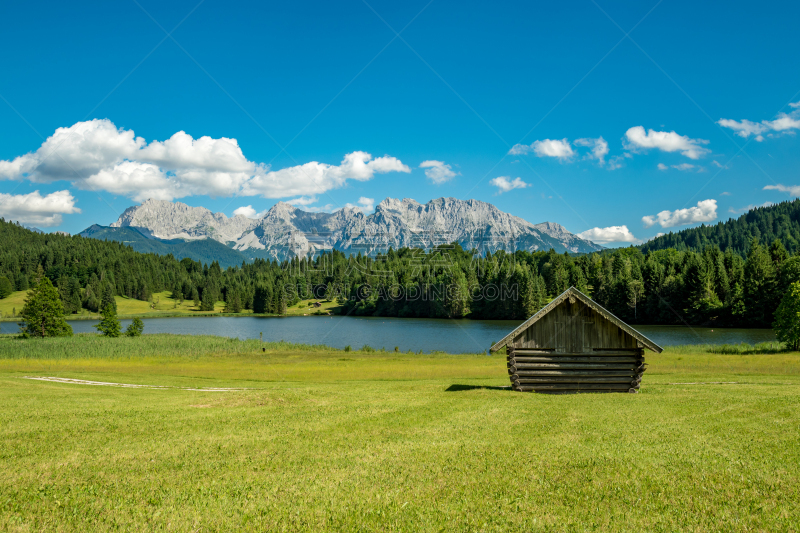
575, 293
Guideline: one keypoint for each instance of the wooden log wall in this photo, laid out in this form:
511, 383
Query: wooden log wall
601, 370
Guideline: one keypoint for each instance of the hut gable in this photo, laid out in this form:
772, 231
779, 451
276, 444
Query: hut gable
574, 345
575, 323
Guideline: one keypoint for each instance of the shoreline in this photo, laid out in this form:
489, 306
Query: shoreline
294, 315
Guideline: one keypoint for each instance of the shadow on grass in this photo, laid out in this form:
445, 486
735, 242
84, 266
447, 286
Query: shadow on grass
459, 388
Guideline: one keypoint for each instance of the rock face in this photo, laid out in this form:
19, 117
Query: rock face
285, 231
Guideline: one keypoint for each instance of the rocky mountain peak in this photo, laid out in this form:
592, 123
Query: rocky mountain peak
286, 230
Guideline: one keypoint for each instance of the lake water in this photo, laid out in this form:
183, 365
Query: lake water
426, 334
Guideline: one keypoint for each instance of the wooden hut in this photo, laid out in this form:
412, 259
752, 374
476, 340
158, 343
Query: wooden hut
574, 345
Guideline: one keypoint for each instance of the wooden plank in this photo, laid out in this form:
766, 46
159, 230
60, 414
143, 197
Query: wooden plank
575, 373
555, 380
575, 386
575, 366
574, 359
635, 350
527, 353
530, 351
538, 390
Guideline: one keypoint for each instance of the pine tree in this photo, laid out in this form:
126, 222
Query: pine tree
5, 287
43, 313
262, 299
457, 297
135, 328
787, 318
107, 298
109, 326
207, 302
759, 281
233, 302
177, 292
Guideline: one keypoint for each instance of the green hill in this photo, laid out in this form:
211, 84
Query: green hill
204, 250
780, 221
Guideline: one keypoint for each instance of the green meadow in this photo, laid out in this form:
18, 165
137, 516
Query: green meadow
321, 439
161, 306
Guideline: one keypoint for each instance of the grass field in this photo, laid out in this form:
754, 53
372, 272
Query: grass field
323, 439
164, 307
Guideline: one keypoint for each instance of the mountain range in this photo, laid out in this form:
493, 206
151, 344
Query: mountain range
286, 231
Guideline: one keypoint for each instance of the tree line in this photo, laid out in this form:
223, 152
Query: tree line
698, 287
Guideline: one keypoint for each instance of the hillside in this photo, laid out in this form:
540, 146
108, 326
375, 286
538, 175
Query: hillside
204, 250
780, 221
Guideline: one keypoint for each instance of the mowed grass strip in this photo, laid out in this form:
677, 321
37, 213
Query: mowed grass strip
431, 444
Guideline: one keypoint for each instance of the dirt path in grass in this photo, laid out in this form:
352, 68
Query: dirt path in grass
71, 381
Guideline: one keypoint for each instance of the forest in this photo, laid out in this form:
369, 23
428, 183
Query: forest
726, 284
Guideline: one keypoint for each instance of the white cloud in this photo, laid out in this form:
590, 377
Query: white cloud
666, 141
725, 193
553, 148
138, 181
749, 207
74, 153
316, 178
617, 161
97, 155
505, 184
437, 171
609, 234
366, 205
599, 148
682, 167
302, 201
784, 123
249, 212
718, 164
705, 211
793, 190
33, 208
546, 148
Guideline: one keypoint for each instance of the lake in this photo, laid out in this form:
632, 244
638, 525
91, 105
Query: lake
415, 334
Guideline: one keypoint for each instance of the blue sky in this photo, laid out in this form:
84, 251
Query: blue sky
492, 96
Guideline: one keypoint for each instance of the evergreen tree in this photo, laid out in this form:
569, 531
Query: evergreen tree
787, 318
262, 299
177, 292
43, 313
207, 302
233, 302
109, 326
279, 306
759, 278
135, 328
5, 287
107, 298
457, 298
